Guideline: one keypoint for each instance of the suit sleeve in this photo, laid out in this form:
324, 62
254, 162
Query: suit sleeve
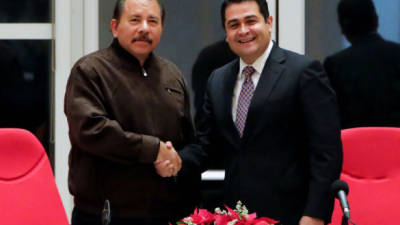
187, 125
92, 130
200, 75
328, 66
322, 132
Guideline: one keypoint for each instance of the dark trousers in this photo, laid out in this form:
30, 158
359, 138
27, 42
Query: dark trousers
80, 217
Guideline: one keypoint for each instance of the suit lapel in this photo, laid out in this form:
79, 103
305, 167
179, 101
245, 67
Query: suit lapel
269, 78
229, 84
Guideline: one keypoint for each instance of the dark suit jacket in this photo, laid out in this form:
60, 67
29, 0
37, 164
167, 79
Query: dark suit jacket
290, 152
366, 78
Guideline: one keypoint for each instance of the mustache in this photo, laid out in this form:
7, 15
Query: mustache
142, 37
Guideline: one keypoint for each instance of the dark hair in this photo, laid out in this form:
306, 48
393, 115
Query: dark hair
262, 5
357, 17
119, 7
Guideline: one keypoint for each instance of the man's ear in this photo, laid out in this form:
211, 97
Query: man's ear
114, 26
270, 21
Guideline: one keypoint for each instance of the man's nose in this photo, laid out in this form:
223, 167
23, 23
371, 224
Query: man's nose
243, 29
144, 26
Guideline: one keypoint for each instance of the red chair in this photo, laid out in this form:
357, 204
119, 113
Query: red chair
28, 192
371, 167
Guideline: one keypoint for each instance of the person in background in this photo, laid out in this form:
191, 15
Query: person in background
366, 75
210, 58
276, 115
128, 113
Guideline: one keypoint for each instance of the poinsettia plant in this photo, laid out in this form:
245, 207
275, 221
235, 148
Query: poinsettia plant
238, 216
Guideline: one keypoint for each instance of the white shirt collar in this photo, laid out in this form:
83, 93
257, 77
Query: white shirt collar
259, 66
260, 61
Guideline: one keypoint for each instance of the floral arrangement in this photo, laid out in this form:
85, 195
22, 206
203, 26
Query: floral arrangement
239, 216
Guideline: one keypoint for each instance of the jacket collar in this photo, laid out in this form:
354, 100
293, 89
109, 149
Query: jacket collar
128, 56
368, 38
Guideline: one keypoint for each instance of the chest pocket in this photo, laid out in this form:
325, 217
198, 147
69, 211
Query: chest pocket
176, 95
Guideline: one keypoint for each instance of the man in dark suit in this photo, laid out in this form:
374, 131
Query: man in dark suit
365, 76
282, 145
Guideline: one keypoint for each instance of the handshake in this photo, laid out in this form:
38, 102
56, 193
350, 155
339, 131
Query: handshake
168, 162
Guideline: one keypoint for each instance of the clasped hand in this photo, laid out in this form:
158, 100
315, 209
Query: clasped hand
168, 162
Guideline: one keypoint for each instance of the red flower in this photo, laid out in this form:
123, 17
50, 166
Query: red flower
233, 213
241, 220
222, 219
202, 217
264, 221
239, 216
251, 219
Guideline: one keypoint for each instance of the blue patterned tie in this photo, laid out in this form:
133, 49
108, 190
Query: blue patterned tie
244, 99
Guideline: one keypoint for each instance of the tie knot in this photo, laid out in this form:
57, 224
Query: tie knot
248, 71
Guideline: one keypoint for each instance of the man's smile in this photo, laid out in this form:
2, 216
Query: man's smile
247, 40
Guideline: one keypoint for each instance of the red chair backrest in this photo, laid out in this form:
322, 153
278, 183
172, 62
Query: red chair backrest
28, 192
371, 167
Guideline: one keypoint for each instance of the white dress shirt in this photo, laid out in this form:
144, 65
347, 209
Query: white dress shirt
258, 66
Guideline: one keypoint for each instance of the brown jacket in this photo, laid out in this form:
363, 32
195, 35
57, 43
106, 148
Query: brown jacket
117, 113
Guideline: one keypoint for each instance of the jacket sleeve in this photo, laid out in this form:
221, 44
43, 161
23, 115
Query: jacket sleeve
322, 132
92, 130
188, 130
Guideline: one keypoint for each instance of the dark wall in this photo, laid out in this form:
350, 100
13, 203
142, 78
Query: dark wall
323, 35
